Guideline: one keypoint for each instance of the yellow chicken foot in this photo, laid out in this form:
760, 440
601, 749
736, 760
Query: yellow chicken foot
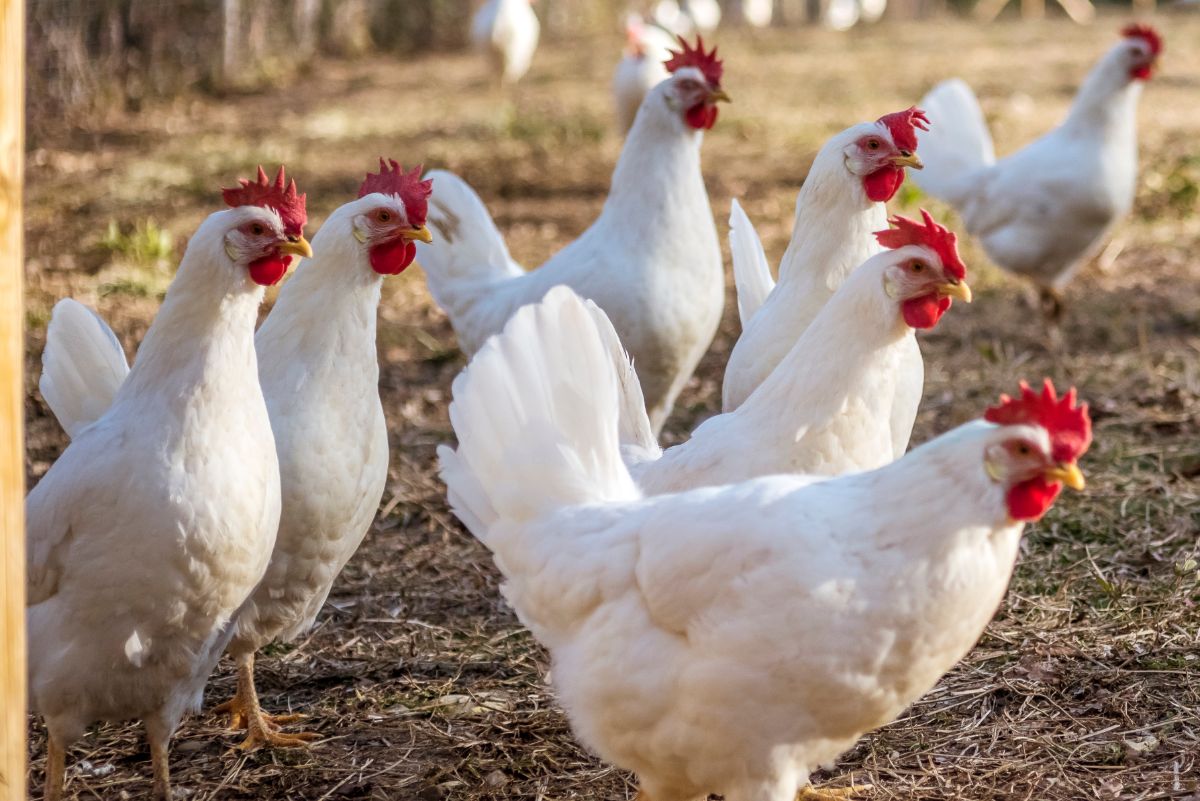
810, 793
245, 713
162, 770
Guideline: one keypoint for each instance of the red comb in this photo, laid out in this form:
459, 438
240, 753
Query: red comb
707, 63
1146, 33
408, 186
274, 195
1069, 426
903, 125
941, 240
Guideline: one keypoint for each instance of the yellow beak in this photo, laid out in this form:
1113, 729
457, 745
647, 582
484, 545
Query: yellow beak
908, 160
421, 234
719, 96
296, 246
1068, 474
958, 289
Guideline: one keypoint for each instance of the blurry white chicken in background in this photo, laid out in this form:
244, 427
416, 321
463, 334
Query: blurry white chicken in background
507, 32
647, 49
838, 209
651, 260
842, 15
732, 639
756, 13
152, 528
1046, 210
687, 17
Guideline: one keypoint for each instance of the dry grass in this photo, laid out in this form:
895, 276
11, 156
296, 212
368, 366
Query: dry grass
1087, 684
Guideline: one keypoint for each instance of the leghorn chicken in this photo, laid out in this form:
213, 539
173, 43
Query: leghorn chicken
320, 375
732, 639
156, 523
839, 206
826, 408
651, 260
648, 48
507, 32
1047, 209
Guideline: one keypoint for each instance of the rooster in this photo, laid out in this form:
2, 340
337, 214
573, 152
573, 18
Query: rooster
826, 408
1046, 210
157, 521
647, 49
651, 260
507, 32
838, 208
732, 639
320, 375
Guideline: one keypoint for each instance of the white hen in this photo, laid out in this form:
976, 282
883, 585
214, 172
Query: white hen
506, 31
839, 206
1044, 211
651, 260
731, 639
155, 524
320, 375
648, 47
826, 410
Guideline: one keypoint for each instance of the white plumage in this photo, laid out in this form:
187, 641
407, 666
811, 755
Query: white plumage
152, 528
507, 32
651, 260
831, 235
1045, 210
730, 639
640, 69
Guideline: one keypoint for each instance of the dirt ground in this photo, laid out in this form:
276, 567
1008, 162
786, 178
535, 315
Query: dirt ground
419, 679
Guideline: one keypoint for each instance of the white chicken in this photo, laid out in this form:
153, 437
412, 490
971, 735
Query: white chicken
826, 410
156, 523
757, 13
648, 47
687, 17
839, 206
732, 639
320, 376
651, 260
507, 32
1046, 210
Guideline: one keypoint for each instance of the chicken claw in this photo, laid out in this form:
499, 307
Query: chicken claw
245, 713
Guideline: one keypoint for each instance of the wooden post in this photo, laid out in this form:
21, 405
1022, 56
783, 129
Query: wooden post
12, 398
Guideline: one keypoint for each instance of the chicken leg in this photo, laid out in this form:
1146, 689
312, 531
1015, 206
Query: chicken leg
246, 713
810, 793
159, 750
56, 769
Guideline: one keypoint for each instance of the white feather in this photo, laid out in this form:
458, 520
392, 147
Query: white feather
83, 366
751, 273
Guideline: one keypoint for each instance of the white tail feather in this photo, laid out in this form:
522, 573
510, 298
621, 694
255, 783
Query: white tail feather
751, 273
83, 366
466, 245
957, 143
537, 414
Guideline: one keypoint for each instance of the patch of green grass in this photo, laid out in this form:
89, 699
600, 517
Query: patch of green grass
553, 130
142, 243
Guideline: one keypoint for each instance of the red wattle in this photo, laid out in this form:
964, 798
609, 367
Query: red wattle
1030, 499
925, 311
1141, 73
701, 116
390, 258
883, 184
268, 270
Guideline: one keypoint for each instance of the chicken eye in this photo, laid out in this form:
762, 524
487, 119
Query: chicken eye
1023, 449
872, 144
917, 266
257, 229
384, 216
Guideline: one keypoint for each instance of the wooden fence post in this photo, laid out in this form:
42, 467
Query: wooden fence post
12, 392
